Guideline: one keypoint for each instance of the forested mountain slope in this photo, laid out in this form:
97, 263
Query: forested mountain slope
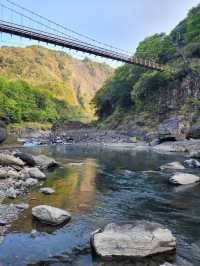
138, 100
38, 84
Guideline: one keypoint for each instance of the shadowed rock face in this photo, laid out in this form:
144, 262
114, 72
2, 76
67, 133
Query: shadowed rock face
138, 240
3, 132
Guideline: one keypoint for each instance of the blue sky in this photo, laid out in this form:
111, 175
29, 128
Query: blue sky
122, 23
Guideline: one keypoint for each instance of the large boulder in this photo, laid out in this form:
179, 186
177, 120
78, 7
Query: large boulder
172, 166
10, 160
45, 162
34, 172
50, 215
8, 172
26, 158
184, 179
174, 128
139, 239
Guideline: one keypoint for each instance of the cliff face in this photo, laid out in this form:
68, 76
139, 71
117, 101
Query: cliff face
74, 81
140, 101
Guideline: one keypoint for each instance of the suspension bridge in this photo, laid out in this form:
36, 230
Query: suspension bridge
58, 35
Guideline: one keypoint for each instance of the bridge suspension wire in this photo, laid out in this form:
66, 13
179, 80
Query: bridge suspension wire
50, 28
65, 28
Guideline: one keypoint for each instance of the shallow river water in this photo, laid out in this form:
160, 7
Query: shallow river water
99, 186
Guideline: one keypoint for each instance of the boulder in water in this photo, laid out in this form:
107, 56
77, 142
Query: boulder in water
184, 179
172, 166
50, 215
192, 163
140, 239
45, 162
47, 190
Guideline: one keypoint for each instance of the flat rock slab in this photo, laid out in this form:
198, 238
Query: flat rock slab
50, 215
172, 166
136, 240
184, 179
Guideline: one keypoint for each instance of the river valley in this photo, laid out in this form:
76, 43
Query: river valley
98, 186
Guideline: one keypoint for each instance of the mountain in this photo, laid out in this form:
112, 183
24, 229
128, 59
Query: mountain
139, 100
71, 81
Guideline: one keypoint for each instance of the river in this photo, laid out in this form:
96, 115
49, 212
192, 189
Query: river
99, 186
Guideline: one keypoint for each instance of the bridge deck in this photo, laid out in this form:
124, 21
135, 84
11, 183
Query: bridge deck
30, 33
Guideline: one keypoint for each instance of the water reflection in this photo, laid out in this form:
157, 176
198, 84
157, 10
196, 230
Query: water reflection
99, 186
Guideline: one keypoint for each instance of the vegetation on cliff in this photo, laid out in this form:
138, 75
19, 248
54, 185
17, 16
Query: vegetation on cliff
38, 84
133, 90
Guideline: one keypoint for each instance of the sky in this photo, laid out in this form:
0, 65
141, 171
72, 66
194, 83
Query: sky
120, 23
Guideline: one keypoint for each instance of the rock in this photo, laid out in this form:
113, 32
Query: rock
26, 158
195, 154
192, 163
50, 215
172, 166
3, 134
47, 190
45, 162
31, 182
10, 160
22, 206
194, 131
3, 222
168, 264
184, 179
174, 128
36, 173
140, 239
11, 193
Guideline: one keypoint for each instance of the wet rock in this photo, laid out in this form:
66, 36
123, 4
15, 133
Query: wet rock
45, 162
47, 190
192, 163
140, 239
174, 128
26, 158
184, 179
36, 173
30, 182
22, 206
50, 215
172, 166
10, 160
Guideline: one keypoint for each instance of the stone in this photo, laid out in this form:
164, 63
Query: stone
47, 190
45, 162
34, 172
10, 160
3, 222
174, 128
26, 158
22, 206
192, 163
184, 179
195, 154
8, 172
194, 131
172, 166
31, 182
50, 215
168, 264
139, 239
11, 193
